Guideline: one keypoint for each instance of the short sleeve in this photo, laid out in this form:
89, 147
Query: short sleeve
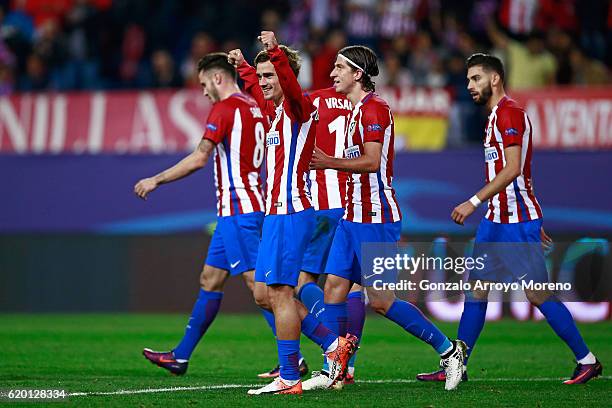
375, 121
217, 124
511, 126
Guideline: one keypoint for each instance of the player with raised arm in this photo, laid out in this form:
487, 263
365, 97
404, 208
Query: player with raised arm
513, 216
289, 221
372, 214
328, 194
235, 132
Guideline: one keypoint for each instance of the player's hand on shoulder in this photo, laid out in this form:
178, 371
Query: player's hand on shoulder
144, 187
268, 39
320, 160
235, 57
462, 212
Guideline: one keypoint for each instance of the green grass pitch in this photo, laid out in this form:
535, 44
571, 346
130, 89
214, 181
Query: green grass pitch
515, 364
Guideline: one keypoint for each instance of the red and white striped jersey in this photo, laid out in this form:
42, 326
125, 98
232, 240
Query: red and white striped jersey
371, 197
328, 186
237, 127
290, 141
509, 126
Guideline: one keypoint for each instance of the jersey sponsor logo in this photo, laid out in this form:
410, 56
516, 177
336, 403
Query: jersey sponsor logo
256, 112
374, 128
511, 132
352, 152
491, 154
211, 127
335, 103
273, 138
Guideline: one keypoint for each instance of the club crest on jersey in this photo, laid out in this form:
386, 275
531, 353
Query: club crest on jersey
491, 154
211, 127
352, 152
351, 131
256, 112
273, 138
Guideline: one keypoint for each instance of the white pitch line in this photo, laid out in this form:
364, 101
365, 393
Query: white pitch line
154, 390
229, 386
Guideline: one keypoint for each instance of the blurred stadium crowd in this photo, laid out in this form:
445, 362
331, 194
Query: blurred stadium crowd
122, 44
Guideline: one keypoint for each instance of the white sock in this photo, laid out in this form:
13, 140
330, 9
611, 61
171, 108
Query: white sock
180, 360
332, 346
290, 382
588, 359
351, 371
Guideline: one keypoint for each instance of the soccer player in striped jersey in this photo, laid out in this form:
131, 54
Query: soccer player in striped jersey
513, 216
328, 194
328, 191
235, 132
372, 214
289, 221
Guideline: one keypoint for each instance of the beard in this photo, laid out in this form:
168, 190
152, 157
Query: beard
484, 97
214, 94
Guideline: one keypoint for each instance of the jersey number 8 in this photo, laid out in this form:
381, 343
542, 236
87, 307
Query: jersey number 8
258, 153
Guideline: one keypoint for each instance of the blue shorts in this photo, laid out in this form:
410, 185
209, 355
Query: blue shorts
511, 252
315, 257
345, 254
284, 239
235, 243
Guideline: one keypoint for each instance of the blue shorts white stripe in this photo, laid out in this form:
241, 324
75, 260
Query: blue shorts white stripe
235, 242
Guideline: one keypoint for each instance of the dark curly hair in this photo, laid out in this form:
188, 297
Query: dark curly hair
366, 59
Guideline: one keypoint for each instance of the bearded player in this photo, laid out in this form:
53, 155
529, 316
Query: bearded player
513, 217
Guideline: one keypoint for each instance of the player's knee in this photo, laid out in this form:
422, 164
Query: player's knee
537, 297
336, 289
213, 279
380, 306
249, 280
380, 301
476, 294
280, 296
260, 295
262, 302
